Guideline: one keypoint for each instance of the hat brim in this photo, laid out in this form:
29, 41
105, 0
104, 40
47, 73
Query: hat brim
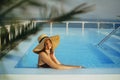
54, 39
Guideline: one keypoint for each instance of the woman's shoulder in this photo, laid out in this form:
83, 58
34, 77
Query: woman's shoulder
42, 52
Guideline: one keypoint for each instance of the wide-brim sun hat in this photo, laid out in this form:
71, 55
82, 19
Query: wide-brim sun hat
42, 38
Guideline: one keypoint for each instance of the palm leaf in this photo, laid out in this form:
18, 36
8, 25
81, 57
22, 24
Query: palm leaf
80, 9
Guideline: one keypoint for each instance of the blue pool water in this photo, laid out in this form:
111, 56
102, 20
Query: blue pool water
77, 47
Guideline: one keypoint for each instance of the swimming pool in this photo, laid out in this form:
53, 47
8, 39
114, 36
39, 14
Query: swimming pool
78, 47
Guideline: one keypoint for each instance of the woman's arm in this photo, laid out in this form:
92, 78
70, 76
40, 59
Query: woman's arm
54, 58
52, 64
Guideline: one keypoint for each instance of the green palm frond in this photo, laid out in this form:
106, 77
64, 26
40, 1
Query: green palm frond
80, 9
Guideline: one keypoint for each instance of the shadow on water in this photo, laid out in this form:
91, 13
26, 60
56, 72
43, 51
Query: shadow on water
12, 57
3, 70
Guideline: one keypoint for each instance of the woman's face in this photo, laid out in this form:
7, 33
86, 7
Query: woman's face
48, 44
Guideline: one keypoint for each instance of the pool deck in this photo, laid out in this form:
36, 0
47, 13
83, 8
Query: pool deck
9, 72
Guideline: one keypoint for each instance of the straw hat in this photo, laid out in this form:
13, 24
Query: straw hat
41, 39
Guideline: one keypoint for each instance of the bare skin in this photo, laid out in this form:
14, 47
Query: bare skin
49, 58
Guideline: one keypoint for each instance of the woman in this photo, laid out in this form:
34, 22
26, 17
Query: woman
45, 50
